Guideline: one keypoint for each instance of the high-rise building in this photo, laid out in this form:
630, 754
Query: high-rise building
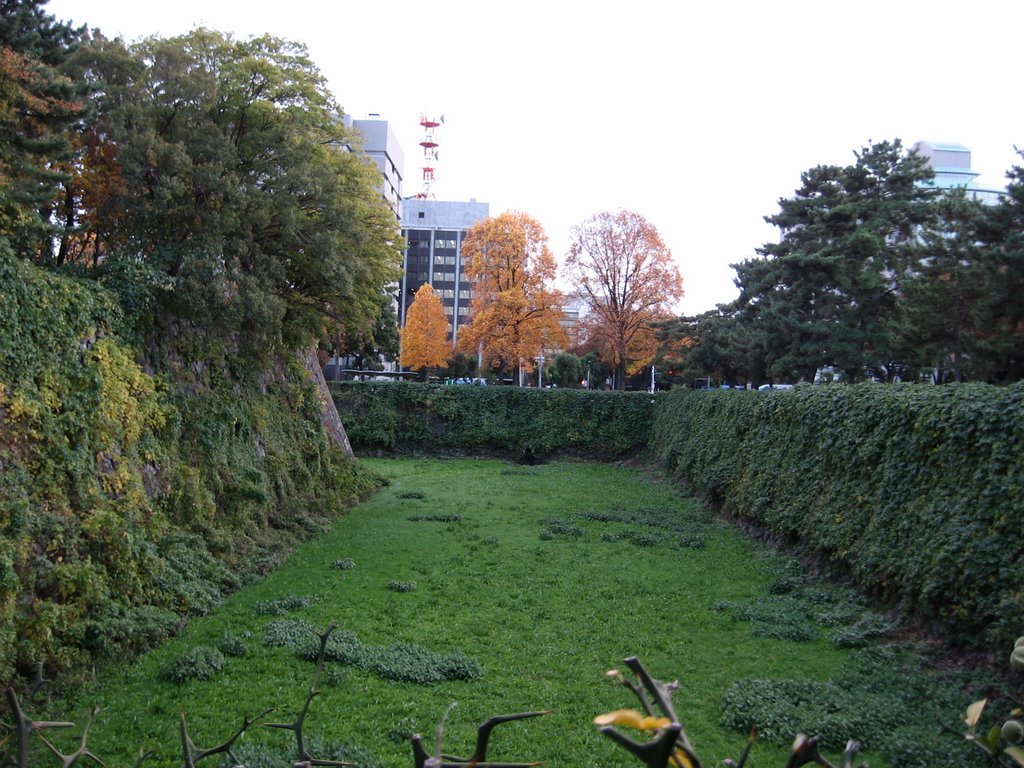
434, 231
952, 165
381, 145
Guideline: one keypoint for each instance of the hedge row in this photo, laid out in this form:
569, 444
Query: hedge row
917, 492
503, 421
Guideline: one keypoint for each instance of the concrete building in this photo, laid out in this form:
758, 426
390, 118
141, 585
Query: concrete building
952, 165
381, 145
434, 231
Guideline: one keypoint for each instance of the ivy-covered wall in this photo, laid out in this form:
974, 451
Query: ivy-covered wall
132, 499
502, 421
915, 491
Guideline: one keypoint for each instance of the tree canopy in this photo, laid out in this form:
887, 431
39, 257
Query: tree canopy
624, 273
221, 170
876, 274
516, 309
424, 337
40, 107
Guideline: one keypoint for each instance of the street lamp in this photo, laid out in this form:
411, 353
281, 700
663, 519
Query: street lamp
540, 371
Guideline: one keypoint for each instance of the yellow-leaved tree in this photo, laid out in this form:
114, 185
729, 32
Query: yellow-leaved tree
516, 309
424, 338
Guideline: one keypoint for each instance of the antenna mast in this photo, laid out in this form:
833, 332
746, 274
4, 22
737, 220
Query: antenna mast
429, 144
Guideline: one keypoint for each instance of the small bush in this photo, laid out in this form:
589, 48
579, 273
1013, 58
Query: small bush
199, 663
287, 633
234, 645
410, 494
868, 627
344, 564
280, 606
127, 632
554, 526
412, 663
402, 586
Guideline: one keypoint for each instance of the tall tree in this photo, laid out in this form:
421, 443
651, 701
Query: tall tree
999, 314
624, 273
235, 188
516, 309
936, 322
424, 338
39, 106
826, 293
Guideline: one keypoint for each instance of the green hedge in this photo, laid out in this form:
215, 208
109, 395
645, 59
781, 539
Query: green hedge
915, 491
503, 421
129, 499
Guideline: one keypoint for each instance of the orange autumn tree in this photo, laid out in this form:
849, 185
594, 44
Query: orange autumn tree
516, 311
624, 274
642, 348
424, 338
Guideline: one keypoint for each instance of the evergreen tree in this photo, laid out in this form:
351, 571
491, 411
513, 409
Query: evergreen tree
999, 314
826, 293
39, 106
936, 326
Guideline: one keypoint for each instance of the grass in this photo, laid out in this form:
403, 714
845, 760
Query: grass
543, 578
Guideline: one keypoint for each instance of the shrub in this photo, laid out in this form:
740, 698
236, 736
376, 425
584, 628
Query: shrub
402, 586
493, 420
917, 492
127, 632
199, 663
344, 564
287, 632
234, 645
280, 606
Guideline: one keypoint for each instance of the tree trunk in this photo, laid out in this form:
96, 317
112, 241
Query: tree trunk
329, 415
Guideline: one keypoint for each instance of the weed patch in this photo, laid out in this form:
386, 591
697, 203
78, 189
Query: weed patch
410, 494
281, 605
199, 663
402, 586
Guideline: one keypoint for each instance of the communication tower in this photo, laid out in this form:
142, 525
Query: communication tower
429, 144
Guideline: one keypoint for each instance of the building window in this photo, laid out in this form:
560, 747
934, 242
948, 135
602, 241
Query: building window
463, 310
421, 214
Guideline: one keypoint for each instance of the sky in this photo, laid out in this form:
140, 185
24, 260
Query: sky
698, 116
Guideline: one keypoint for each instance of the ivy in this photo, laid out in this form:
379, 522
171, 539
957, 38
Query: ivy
916, 492
504, 421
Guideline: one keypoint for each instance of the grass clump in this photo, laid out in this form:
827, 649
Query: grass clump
410, 494
276, 755
402, 586
885, 697
199, 663
234, 645
401, 662
343, 564
435, 518
555, 526
280, 606
287, 633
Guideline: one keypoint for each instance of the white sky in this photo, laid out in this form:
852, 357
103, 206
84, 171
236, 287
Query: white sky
699, 116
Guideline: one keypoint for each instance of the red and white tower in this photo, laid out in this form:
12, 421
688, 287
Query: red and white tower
429, 144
